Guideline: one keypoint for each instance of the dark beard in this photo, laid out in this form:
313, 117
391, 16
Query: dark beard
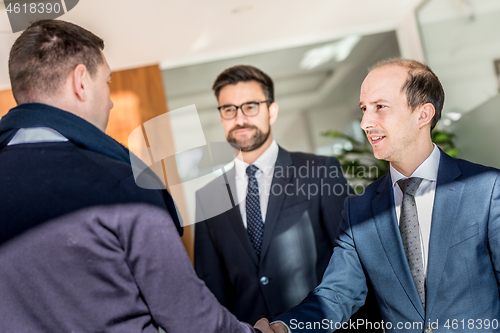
253, 143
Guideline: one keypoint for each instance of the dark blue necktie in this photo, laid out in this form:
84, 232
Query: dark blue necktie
255, 224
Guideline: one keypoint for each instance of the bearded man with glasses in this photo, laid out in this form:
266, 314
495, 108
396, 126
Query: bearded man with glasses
266, 253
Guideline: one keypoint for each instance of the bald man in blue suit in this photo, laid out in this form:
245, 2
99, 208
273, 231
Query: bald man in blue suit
458, 209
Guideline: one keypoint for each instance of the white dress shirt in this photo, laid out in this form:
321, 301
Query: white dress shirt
424, 197
36, 134
264, 175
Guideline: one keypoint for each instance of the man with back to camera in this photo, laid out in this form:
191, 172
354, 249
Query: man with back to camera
72, 260
437, 270
265, 254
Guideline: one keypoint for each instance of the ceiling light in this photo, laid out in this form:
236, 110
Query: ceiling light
338, 50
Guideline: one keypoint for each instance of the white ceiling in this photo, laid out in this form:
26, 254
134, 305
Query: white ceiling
179, 33
296, 88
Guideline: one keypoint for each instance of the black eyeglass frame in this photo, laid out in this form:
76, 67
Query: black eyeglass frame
268, 102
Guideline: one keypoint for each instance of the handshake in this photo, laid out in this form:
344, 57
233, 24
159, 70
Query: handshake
264, 325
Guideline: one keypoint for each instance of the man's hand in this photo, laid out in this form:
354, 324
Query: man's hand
264, 326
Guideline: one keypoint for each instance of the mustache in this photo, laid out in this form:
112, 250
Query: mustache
238, 127
374, 133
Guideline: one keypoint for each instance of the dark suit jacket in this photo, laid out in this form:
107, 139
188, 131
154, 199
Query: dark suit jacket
301, 224
41, 181
113, 269
463, 263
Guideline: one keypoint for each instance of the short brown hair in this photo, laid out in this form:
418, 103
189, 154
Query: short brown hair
421, 86
46, 53
245, 73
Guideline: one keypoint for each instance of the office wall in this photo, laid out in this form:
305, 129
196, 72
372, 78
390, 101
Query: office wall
138, 96
7, 101
477, 134
461, 46
462, 42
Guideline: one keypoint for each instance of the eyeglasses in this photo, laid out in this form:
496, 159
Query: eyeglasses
249, 109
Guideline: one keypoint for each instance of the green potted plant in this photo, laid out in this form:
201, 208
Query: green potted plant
361, 167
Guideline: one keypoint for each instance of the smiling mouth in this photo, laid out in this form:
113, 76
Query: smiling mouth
376, 139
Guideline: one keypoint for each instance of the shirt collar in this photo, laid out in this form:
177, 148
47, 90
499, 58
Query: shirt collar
265, 162
36, 134
427, 170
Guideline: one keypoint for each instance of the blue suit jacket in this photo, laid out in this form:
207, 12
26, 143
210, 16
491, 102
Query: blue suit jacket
463, 263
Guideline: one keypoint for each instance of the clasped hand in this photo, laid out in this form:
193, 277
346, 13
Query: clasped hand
265, 327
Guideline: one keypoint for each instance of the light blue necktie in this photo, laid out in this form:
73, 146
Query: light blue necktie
255, 224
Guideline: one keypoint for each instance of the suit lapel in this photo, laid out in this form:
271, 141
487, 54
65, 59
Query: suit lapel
446, 206
280, 179
233, 217
385, 218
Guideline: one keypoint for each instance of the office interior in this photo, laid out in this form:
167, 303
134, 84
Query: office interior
165, 55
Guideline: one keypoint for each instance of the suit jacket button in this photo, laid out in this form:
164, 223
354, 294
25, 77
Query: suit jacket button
428, 329
264, 280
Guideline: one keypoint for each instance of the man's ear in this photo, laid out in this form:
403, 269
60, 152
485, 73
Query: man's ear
79, 82
427, 112
273, 112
